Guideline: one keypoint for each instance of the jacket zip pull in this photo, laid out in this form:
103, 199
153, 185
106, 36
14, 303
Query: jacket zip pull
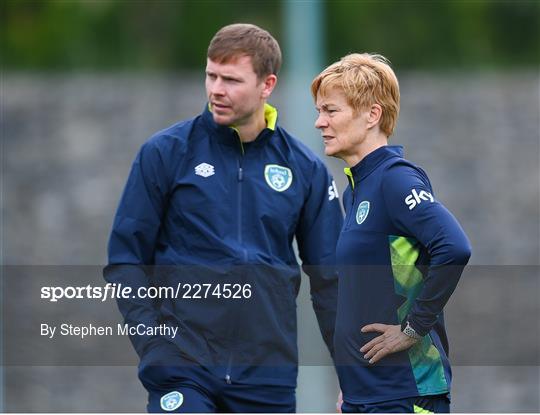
228, 371
240, 174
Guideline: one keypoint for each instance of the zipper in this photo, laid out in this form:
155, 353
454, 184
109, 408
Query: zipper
239, 219
228, 371
351, 213
240, 199
239, 210
350, 179
240, 179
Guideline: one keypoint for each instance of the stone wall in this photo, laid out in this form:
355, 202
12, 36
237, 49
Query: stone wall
68, 142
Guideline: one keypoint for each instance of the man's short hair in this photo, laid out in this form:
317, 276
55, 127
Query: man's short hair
365, 79
243, 39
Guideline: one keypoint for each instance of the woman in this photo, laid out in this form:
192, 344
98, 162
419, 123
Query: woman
400, 252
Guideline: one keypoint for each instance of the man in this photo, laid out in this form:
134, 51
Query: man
400, 253
213, 204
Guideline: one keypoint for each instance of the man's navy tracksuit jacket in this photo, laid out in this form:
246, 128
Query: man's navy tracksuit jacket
200, 207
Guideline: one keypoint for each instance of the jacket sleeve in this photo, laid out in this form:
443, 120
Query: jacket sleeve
317, 234
133, 237
415, 212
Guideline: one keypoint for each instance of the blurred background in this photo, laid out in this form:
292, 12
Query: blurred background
85, 83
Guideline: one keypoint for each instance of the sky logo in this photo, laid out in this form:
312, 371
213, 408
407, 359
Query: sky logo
415, 198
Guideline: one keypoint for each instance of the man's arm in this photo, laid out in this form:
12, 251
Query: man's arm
317, 235
133, 237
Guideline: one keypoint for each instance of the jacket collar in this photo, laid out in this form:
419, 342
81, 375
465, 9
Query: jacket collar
229, 135
371, 162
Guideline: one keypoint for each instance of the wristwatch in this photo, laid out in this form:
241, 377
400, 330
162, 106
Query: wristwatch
410, 332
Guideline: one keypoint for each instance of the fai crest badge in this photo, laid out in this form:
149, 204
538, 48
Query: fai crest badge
362, 212
171, 401
277, 177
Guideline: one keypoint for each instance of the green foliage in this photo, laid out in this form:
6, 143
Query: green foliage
425, 34
104, 34
172, 35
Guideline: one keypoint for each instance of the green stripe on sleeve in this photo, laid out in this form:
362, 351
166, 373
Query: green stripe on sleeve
419, 410
425, 359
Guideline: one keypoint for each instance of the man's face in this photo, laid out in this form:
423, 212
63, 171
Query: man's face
234, 92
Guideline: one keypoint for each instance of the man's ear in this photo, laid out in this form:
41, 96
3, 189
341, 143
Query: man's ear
269, 84
375, 114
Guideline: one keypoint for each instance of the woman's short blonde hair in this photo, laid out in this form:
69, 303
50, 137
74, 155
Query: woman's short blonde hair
365, 79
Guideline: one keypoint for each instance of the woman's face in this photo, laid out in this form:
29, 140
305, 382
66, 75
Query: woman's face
343, 130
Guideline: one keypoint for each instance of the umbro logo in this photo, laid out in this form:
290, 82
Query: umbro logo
204, 170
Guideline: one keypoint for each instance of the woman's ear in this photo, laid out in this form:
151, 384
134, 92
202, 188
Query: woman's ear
375, 114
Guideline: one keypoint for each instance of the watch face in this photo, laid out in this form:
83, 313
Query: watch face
409, 331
